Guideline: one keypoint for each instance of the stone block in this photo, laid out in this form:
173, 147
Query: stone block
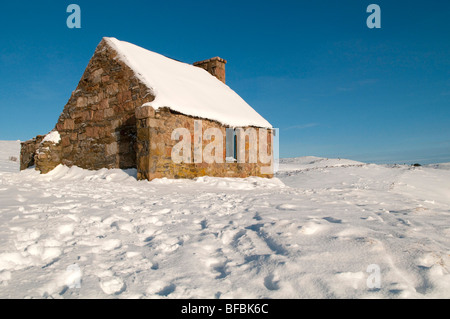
111, 149
123, 97
68, 124
65, 140
108, 113
92, 100
104, 104
96, 76
112, 89
98, 116
143, 134
92, 131
143, 163
86, 116
82, 101
155, 123
144, 112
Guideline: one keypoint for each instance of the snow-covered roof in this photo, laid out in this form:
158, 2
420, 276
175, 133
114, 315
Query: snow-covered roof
187, 89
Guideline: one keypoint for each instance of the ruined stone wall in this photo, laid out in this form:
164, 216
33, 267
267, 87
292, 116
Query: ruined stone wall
155, 144
28, 151
48, 156
98, 125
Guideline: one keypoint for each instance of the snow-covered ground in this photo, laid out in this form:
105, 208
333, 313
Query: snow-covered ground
9, 156
324, 228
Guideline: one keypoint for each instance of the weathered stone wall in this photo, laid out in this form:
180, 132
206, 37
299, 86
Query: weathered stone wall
48, 156
155, 144
28, 151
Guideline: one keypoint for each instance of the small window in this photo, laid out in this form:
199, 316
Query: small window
231, 143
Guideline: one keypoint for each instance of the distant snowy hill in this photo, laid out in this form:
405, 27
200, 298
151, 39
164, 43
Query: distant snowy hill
9, 156
317, 230
312, 162
440, 166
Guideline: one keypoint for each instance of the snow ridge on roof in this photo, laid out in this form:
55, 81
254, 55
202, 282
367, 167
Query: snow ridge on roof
187, 89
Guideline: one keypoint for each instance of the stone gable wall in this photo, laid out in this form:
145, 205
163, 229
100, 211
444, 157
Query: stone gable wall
98, 125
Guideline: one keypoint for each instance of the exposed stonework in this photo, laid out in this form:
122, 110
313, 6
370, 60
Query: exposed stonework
215, 66
98, 126
106, 124
28, 151
48, 156
155, 144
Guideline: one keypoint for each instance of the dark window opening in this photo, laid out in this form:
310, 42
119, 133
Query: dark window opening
231, 146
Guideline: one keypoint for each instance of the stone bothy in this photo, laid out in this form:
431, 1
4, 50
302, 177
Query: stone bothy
118, 118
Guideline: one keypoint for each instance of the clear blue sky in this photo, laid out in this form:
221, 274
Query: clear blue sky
334, 87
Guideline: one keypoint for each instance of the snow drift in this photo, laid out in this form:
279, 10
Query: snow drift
315, 231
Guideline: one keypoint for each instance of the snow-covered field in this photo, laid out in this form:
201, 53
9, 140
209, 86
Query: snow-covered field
322, 229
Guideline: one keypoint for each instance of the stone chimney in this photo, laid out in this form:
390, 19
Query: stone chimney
215, 66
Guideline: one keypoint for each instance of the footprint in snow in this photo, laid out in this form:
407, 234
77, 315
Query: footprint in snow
106, 245
311, 228
67, 229
257, 217
218, 267
333, 220
286, 207
166, 290
270, 283
20, 198
111, 244
160, 288
163, 211
113, 286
